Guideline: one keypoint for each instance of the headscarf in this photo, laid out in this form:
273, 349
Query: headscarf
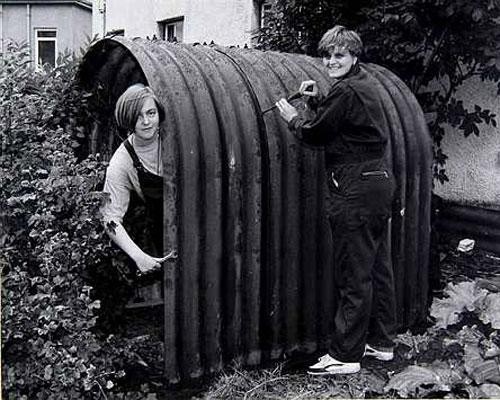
129, 105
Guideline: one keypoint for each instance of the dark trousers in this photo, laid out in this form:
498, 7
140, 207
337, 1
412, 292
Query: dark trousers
359, 209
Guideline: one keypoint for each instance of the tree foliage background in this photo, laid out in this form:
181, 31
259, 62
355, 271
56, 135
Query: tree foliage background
433, 45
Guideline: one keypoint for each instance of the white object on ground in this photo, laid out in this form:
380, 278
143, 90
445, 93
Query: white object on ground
466, 245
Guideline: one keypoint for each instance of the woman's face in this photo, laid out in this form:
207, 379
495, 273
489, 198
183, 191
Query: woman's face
338, 62
148, 121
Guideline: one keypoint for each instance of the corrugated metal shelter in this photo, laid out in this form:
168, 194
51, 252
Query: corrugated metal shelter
243, 200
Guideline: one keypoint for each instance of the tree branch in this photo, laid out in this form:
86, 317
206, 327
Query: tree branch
429, 60
471, 72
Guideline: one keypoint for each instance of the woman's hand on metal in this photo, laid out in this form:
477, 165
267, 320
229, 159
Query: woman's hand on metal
169, 256
309, 88
147, 264
287, 111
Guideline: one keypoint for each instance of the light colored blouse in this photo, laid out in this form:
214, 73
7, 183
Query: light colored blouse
121, 178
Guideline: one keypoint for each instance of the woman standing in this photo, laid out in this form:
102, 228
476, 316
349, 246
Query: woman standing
350, 124
136, 166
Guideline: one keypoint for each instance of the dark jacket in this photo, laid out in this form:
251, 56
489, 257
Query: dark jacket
349, 121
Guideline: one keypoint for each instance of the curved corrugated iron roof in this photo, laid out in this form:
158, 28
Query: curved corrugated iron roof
244, 202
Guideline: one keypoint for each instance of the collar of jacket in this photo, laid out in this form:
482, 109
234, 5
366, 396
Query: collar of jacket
355, 68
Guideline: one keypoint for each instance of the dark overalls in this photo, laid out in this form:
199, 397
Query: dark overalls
350, 123
358, 209
152, 190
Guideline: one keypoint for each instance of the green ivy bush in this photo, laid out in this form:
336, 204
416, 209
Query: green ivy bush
51, 236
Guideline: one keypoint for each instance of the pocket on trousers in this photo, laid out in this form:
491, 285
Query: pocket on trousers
375, 174
378, 187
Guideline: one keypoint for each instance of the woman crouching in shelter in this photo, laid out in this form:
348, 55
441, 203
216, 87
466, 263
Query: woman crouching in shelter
350, 123
136, 166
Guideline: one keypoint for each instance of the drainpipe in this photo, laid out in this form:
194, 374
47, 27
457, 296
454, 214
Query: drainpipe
28, 28
1, 32
101, 8
104, 19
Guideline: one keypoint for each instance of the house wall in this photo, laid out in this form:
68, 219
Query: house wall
65, 18
82, 18
136, 18
14, 23
473, 166
73, 24
224, 22
230, 22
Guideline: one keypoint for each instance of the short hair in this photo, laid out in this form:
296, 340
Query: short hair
129, 105
342, 37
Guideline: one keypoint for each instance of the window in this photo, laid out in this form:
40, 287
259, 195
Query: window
171, 34
265, 11
171, 29
45, 47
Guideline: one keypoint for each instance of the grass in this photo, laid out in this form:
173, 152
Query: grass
274, 384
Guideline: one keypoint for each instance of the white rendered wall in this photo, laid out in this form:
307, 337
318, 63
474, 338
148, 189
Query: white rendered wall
230, 22
226, 22
473, 166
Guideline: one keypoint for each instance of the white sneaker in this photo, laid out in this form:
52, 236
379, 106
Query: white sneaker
327, 365
382, 355
323, 362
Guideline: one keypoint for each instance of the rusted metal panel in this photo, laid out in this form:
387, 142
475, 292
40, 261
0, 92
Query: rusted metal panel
244, 201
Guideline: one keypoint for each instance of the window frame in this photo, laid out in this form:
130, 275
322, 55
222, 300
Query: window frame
174, 31
264, 8
175, 23
45, 39
115, 32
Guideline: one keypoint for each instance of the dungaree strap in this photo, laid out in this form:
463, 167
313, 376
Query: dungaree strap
152, 191
133, 155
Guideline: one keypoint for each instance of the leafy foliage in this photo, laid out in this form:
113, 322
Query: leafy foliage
433, 45
466, 296
484, 391
474, 366
51, 235
460, 297
490, 310
416, 344
419, 380
477, 367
